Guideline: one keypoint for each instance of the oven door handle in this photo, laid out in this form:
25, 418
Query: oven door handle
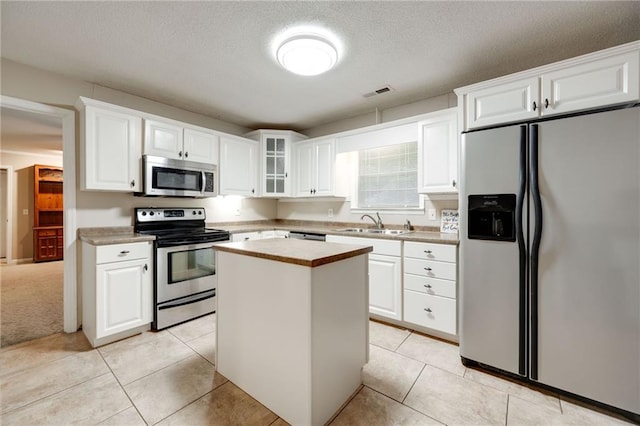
188, 300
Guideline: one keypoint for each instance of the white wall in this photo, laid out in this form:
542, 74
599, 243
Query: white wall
96, 209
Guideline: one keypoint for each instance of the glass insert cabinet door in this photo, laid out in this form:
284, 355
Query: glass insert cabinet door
275, 165
190, 264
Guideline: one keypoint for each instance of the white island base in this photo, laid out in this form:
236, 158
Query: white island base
293, 335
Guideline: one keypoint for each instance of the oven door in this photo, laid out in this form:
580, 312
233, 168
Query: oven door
184, 270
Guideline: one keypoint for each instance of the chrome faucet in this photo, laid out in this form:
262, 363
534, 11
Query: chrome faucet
378, 222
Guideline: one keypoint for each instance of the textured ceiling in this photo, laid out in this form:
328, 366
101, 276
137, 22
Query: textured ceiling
216, 58
29, 132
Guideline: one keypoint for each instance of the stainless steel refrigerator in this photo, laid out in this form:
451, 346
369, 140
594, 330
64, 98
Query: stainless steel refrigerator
550, 253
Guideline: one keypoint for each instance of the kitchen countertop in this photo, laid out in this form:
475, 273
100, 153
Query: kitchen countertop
112, 235
299, 252
418, 235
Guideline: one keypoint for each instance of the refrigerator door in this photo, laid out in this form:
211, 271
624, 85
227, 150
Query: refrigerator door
492, 328
588, 289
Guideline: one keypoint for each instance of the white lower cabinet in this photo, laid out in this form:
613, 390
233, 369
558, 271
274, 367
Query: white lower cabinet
385, 274
117, 290
430, 273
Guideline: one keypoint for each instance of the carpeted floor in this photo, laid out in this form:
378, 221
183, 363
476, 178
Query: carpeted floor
30, 301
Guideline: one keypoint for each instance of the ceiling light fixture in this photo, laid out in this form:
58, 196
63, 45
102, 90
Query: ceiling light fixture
307, 54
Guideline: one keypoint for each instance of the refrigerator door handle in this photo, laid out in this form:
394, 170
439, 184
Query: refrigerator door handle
535, 245
522, 253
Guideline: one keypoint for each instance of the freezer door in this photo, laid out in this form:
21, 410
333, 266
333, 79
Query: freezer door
588, 290
492, 327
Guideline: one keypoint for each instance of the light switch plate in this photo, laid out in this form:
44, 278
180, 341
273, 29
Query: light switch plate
25, 212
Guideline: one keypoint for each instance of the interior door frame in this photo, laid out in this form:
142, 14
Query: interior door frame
68, 117
8, 200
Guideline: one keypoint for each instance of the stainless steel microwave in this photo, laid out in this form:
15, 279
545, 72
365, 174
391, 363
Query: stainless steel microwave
178, 178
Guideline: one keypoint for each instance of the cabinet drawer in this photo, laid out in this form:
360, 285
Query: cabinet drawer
120, 252
47, 232
438, 313
433, 286
430, 251
380, 246
430, 268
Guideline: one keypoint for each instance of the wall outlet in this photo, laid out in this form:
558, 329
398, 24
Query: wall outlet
432, 214
236, 212
330, 213
25, 212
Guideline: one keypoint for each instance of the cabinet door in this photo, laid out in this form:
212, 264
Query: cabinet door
238, 164
112, 143
275, 165
163, 139
595, 84
385, 286
324, 167
46, 245
304, 169
438, 154
123, 296
504, 103
200, 146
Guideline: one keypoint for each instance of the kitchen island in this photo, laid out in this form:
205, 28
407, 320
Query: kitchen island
292, 326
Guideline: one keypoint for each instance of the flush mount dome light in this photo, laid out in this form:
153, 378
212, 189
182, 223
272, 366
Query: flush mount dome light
307, 54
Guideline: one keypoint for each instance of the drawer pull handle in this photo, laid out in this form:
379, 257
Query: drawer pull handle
428, 269
428, 310
427, 285
124, 252
428, 251
133, 183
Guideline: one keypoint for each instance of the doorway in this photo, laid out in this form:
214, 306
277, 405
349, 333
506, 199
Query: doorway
66, 118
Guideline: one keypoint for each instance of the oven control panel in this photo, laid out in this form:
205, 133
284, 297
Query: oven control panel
155, 214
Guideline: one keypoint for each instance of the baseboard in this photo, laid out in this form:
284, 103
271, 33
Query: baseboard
22, 261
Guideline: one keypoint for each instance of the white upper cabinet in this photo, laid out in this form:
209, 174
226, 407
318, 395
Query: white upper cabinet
172, 140
238, 166
603, 82
599, 79
110, 147
507, 102
314, 172
438, 153
275, 161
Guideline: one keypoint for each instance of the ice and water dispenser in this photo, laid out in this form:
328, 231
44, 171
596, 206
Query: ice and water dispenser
492, 217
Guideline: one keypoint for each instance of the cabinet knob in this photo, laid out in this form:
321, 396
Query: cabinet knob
286, 175
253, 190
180, 154
146, 268
133, 183
124, 252
428, 310
453, 183
428, 269
186, 155
535, 106
546, 103
427, 285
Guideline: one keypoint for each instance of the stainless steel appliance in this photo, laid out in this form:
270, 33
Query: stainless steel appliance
185, 262
178, 178
550, 253
314, 236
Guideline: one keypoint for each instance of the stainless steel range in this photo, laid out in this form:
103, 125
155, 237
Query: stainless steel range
185, 262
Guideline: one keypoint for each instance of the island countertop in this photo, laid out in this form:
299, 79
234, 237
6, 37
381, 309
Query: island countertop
298, 252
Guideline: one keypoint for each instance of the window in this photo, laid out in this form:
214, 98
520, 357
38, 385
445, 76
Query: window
388, 177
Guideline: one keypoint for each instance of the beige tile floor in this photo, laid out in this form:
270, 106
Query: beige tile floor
168, 378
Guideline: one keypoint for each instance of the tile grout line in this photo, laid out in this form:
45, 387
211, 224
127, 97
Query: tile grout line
406, 406
122, 387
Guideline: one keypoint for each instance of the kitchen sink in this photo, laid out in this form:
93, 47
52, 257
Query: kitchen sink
375, 231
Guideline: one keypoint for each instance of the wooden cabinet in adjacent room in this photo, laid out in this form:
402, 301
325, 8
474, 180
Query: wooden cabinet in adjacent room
48, 243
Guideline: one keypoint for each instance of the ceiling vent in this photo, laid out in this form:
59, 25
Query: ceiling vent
380, 91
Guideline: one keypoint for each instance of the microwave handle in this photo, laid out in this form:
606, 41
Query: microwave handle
204, 182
